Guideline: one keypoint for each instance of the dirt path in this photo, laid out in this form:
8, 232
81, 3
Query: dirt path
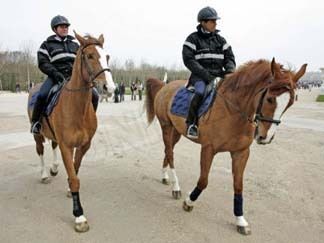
124, 200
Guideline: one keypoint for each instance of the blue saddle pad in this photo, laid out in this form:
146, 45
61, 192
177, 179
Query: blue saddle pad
181, 102
33, 100
52, 99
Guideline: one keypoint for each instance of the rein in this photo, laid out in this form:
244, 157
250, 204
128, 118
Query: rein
242, 113
258, 115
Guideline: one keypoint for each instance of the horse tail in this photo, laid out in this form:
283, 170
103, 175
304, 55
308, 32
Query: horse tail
152, 87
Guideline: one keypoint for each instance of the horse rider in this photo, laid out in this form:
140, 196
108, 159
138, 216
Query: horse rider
208, 56
55, 57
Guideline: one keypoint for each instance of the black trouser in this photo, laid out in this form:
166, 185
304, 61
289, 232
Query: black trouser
41, 99
196, 99
95, 98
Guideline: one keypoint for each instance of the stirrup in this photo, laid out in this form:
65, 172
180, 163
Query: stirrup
36, 128
192, 131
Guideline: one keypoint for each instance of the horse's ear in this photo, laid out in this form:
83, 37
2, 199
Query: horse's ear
79, 38
275, 69
300, 73
107, 58
101, 39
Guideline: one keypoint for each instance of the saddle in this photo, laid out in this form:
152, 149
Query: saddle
51, 99
181, 101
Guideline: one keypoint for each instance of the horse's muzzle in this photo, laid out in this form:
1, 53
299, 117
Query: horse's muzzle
263, 140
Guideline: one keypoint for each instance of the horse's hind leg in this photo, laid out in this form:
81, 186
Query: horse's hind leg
39, 139
53, 169
170, 138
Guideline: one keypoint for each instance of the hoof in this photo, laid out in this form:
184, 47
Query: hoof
176, 194
53, 173
244, 230
81, 227
186, 207
165, 181
45, 180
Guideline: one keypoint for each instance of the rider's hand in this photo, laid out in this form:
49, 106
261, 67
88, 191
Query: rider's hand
59, 77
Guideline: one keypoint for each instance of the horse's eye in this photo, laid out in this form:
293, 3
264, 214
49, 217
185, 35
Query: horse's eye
270, 100
90, 56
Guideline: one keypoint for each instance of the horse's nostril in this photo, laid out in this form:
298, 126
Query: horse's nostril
262, 137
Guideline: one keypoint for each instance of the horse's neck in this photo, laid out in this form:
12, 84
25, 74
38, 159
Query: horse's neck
81, 94
242, 100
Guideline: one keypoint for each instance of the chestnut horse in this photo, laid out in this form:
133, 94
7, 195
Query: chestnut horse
73, 122
249, 104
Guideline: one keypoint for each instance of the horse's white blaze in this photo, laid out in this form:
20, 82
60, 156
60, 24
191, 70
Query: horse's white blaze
80, 219
175, 181
240, 221
55, 161
103, 61
44, 174
282, 102
165, 173
110, 82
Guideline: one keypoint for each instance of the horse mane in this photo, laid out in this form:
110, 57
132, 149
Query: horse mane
248, 74
251, 73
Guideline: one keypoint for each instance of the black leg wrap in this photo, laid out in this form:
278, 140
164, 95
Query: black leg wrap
195, 194
77, 209
238, 205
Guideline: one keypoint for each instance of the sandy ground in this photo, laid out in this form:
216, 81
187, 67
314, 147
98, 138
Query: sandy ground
124, 200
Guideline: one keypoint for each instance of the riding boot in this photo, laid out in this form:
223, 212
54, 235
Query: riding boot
36, 125
192, 118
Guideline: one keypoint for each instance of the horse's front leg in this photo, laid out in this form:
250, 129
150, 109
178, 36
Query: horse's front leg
81, 224
239, 160
206, 159
79, 153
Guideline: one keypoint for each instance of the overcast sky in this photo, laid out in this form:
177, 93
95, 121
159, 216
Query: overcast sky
154, 31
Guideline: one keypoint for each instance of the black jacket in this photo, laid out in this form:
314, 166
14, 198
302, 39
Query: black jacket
207, 56
57, 55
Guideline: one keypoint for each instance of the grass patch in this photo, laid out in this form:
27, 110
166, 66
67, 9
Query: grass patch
320, 98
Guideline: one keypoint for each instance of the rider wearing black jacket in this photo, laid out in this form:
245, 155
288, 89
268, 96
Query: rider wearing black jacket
55, 57
208, 56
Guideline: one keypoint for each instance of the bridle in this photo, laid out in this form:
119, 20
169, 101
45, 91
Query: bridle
92, 74
259, 116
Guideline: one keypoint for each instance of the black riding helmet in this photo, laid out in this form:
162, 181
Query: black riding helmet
59, 20
207, 13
